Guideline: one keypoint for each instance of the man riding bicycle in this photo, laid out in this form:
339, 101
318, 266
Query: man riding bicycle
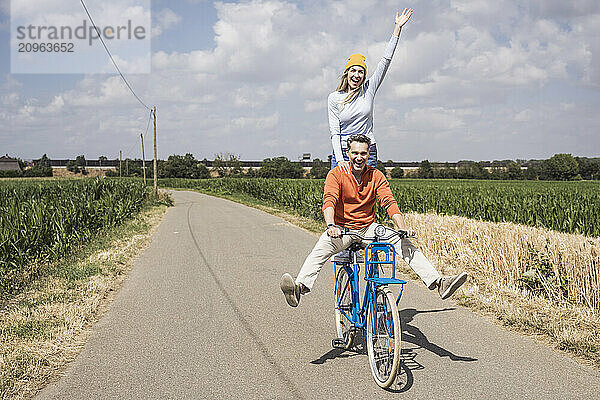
349, 201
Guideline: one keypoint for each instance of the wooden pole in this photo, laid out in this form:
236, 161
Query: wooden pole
127, 167
155, 156
143, 159
120, 162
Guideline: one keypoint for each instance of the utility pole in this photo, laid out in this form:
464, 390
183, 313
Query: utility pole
127, 166
143, 159
120, 162
155, 156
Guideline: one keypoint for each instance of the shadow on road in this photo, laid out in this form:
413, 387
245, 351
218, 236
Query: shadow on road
413, 334
358, 348
410, 334
335, 353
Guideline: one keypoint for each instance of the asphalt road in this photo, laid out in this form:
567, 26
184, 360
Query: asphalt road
201, 316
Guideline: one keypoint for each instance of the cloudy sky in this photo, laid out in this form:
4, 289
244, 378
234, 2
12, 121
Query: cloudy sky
479, 80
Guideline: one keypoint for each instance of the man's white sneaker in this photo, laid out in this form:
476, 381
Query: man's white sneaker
448, 284
290, 290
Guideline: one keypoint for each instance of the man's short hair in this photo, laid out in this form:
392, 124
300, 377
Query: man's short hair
360, 138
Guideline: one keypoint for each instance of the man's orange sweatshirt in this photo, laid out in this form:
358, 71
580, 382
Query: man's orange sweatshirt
354, 202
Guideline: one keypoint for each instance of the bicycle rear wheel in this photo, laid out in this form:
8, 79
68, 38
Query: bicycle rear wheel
343, 308
384, 337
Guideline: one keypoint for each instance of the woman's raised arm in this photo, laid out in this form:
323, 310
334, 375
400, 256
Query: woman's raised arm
379, 73
402, 19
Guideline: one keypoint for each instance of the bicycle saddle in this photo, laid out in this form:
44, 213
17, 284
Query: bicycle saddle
344, 255
356, 247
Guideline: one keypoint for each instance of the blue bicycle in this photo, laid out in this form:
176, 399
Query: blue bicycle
378, 317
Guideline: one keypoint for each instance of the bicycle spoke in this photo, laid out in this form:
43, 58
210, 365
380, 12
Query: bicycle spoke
343, 291
382, 340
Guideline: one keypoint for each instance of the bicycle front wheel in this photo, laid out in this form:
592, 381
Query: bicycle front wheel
343, 308
384, 337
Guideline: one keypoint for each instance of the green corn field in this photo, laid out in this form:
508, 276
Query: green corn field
571, 207
42, 220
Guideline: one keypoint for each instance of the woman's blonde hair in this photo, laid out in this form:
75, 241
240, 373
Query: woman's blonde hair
343, 86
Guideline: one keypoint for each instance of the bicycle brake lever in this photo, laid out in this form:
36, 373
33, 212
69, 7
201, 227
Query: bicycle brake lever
406, 234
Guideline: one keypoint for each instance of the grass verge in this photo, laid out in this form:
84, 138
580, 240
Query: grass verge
493, 254
46, 325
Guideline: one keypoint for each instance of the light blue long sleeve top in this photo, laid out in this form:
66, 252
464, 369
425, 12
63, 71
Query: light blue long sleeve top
357, 116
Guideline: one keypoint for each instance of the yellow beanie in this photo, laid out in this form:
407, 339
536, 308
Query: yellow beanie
356, 59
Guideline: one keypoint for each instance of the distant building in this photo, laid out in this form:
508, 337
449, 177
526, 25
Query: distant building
305, 157
9, 164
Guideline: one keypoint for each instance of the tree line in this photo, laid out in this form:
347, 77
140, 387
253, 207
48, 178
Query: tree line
560, 167
223, 165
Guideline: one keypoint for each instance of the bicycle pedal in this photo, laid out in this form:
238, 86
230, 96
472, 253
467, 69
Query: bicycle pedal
338, 343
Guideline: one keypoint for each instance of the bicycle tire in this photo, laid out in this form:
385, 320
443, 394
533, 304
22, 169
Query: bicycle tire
384, 338
343, 301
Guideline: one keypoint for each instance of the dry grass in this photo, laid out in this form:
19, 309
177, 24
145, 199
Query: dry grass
570, 264
45, 327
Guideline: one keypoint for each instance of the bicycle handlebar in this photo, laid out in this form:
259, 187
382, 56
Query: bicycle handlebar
400, 233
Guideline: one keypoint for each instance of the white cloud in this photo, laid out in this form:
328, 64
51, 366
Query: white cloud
561, 10
131, 65
267, 122
54, 107
31, 8
92, 92
406, 90
10, 99
285, 88
163, 20
316, 105
567, 106
318, 85
524, 116
432, 119
587, 30
10, 83
251, 97
63, 12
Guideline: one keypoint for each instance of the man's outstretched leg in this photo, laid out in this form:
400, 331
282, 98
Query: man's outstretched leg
325, 247
446, 285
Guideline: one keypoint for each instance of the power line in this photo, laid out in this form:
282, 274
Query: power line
111, 57
147, 126
149, 119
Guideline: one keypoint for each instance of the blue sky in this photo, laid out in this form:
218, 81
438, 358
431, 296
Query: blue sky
479, 80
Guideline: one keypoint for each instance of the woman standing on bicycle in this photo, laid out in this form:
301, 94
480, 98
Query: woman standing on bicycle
350, 107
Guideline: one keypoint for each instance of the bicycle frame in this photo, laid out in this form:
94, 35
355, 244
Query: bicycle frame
372, 265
